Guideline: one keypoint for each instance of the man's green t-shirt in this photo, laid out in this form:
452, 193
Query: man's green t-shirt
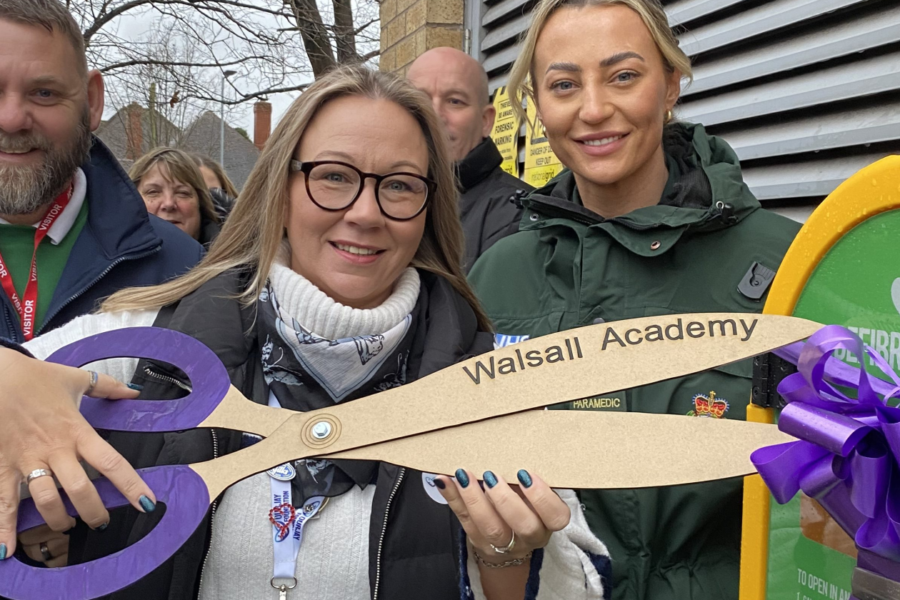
16, 248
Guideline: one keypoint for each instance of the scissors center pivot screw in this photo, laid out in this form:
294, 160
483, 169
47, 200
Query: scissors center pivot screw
321, 430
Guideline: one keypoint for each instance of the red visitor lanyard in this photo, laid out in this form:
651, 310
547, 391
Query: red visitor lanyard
28, 308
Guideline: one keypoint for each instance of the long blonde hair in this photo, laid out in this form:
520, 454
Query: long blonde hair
178, 166
521, 78
251, 236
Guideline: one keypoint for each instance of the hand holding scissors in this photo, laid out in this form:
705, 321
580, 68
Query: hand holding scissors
51, 436
449, 418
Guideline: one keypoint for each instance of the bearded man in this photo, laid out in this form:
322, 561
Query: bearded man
73, 229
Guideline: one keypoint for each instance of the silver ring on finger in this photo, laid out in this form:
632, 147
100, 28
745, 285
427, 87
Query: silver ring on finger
94, 378
508, 548
45, 552
37, 473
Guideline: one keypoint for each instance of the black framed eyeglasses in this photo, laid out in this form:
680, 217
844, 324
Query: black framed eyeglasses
333, 186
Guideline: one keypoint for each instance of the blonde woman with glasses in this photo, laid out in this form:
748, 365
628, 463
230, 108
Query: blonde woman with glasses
346, 237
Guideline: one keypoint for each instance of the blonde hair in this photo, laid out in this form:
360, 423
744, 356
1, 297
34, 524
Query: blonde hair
252, 234
179, 166
521, 78
227, 185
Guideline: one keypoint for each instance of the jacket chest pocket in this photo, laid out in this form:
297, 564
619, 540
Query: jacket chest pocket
720, 393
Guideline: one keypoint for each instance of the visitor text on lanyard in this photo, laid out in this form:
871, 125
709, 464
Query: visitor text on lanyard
27, 305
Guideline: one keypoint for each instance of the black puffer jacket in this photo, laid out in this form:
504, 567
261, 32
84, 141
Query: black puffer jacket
489, 200
416, 538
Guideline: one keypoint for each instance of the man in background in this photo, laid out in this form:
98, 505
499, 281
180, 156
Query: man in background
489, 197
73, 229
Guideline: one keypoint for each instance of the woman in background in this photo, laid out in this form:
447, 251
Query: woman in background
214, 175
223, 191
173, 189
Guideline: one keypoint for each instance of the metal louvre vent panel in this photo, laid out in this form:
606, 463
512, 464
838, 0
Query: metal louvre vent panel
501, 25
806, 91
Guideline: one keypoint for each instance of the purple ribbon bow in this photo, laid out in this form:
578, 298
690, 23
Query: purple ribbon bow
848, 456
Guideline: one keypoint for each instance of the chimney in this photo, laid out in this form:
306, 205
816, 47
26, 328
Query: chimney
134, 132
262, 124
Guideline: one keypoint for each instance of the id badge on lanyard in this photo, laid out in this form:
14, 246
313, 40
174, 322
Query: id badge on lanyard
287, 531
26, 307
287, 522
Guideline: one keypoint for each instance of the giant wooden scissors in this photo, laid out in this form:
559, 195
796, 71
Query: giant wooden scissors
475, 414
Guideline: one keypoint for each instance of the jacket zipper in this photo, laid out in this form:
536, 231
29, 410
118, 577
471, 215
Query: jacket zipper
116, 262
10, 326
583, 221
151, 373
387, 512
212, 516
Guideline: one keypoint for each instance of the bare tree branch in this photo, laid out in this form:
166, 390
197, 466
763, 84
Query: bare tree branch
275, 47
260, 94
370, 55
161, 63
365, 26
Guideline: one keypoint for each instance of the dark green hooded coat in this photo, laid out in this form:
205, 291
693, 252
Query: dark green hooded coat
568, 267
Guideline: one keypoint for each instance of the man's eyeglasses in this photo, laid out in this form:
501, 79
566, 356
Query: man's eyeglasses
334, 186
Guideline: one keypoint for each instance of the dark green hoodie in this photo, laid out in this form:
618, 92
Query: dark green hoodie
568, 267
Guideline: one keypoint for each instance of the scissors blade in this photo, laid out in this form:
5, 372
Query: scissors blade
624, 450
566, 366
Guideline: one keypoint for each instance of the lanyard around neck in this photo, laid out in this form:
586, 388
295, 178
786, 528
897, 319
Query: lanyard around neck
26, 307
287, 522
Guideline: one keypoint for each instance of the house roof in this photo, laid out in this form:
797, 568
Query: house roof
156, 130
201, 137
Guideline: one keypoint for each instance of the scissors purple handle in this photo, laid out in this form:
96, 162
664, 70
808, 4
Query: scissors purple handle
179, 488
209, 379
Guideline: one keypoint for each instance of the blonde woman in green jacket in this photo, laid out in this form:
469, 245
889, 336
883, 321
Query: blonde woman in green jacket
651, 217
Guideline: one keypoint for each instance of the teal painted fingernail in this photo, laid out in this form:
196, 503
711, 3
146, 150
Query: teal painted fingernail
135, 387
462, 478
147, 504
440, 484
490, 479
2, 551
524, 478
102, 528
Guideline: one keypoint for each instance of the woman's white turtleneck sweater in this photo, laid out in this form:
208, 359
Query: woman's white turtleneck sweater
318, 313
333, 562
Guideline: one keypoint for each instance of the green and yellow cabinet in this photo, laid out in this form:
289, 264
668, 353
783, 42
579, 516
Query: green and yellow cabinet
844, 269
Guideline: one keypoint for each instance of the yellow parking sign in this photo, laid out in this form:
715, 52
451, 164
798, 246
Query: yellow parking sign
541, 165
506, 132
